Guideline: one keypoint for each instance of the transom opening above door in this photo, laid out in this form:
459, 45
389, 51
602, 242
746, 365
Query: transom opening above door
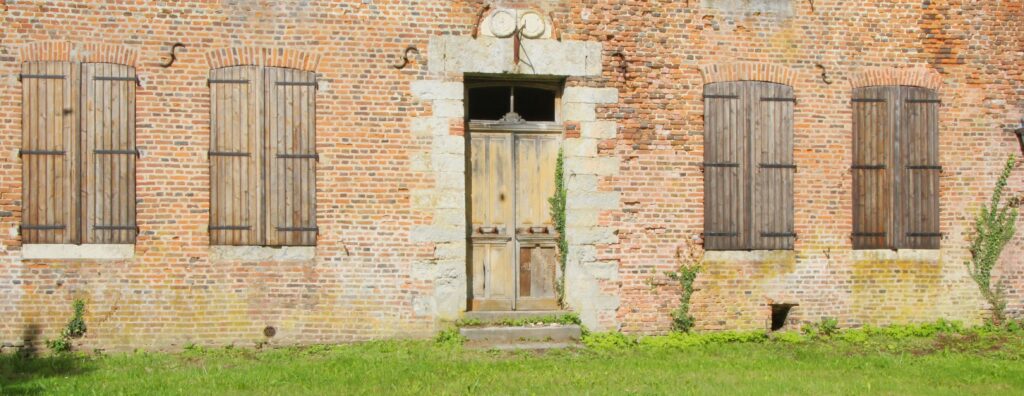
513, 102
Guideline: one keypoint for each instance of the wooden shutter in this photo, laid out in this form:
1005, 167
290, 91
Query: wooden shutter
236, 152
725, 166
873, 165
290, 157
918, 149
771, 165
108, 153
49, 153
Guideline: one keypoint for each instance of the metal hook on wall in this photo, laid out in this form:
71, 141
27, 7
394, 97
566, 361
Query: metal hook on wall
173, 56
405, 57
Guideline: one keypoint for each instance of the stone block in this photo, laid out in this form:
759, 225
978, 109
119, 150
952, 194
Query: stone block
261, 253
590, 95
598, 130
604, 200
73, 252
579, 112
447, 108
600, 166
430, 126
580, 147
436, 233
434, 90
590, 235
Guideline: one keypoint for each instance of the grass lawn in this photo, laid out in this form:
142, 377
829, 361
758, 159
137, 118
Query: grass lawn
944, 364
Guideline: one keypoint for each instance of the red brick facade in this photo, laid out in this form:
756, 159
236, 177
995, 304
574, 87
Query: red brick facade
362, 284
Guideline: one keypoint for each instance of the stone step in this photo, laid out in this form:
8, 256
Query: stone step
498, 316
522, 346
522, 334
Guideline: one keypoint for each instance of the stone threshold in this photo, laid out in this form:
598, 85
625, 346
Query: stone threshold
62, 251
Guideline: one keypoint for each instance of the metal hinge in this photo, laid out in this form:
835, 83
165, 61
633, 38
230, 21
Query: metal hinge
721, 97
721, 234
779, 100
299, 229
40, 227
925, 234
117, 152
212, 81
300, 156
228, 227
865, 166
867, 100
868, 234
778, 166
41, 76
937, 101
298, 84
778, 235
925, 167
720, 165
41, 152
226, 154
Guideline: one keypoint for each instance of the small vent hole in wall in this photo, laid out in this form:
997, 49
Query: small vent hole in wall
780, 313
269, 331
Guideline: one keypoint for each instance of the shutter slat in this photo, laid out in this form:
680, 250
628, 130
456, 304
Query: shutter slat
236, 156
49, 154
290, 111
772, 177
871, 170
919, 153
725, 126
109, 133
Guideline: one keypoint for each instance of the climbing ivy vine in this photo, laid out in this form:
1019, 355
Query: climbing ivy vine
557, 204
691, 262
993, 229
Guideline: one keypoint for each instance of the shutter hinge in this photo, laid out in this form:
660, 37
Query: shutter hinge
867, 166
41, 152
721, 97
767, 99
925, 234
41, 76
214, 81
228, 227
925, 167
778, 235
299, 229
721, 234
315, 156
936, 101
778, 166
868, 234
226, 154
867, 100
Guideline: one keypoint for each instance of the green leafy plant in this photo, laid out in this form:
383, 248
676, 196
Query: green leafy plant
566, 319
557, 204
608, 341
74, 329
993, 229
824, 328
450, 338
690, 266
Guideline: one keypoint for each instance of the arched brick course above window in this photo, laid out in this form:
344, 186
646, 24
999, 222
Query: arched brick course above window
63, 51
748, 71
892, 76
269, 57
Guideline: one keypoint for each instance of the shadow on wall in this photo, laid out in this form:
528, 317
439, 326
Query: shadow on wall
19, 371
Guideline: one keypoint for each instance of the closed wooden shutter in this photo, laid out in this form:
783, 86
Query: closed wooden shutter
290, 157
725, 147
49, 153
748, 166
895, 168
771, 166
236, 154
108, 152
919, 182
873, 166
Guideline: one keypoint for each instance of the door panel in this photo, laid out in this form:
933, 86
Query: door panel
514, 259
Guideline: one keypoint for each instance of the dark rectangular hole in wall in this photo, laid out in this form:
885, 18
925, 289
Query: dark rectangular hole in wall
535, 104
489, 103
780, 313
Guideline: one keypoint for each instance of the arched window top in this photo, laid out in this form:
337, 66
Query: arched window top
268, 57
513, 102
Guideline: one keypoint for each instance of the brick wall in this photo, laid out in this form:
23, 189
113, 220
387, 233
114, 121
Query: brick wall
362, 282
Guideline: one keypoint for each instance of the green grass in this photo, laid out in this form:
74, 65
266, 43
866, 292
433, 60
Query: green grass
953, 364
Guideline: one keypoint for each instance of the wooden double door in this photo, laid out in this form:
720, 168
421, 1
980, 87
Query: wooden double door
512, 237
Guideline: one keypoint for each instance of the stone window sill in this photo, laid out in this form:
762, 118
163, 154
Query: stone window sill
77, 252
897, 255
261, 253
